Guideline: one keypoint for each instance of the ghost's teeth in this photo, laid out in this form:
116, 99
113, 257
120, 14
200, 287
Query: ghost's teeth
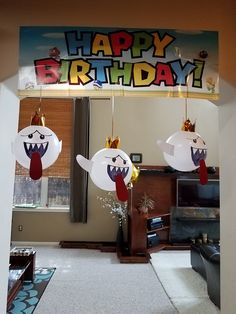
117, 168
44, 145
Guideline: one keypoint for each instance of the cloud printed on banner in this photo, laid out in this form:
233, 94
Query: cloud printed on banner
43, 48
54, 35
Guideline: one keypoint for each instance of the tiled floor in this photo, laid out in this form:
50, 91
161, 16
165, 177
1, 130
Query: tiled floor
92, 282
185, 287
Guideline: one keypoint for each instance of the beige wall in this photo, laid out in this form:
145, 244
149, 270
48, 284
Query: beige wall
210, 15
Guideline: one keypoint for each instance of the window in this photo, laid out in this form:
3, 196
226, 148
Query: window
53, 189
27, 192
58, 192
49, 192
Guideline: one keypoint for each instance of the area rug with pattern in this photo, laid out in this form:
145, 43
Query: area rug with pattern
28, 297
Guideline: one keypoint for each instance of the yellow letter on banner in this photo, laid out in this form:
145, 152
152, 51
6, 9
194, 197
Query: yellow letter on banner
101, 43
144, 74
78, 72
161, 44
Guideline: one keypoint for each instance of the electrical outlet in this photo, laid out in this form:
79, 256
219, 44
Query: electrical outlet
20, 228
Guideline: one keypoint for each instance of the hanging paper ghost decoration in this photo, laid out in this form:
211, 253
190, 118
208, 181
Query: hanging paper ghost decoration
36, 147
185, 150
110, 169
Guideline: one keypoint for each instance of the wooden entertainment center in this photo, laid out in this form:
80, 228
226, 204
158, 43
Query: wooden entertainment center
159, 182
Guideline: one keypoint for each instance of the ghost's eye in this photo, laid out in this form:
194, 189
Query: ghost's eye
195, 140
30, 136
124, 162
42, 137
114, 159
204, 143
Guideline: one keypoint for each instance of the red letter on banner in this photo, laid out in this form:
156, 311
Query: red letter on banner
120, 41
164, 74
47, 71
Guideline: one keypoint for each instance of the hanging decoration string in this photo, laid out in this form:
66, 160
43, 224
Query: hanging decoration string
186, 109
178, 53
40, 99
187, 125
112, 116
112, 142
186, 101
38, 118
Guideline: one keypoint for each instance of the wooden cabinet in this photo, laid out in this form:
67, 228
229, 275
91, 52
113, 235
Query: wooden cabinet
158, 227
160, 185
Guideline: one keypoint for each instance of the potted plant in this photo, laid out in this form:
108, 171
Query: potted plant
145, 204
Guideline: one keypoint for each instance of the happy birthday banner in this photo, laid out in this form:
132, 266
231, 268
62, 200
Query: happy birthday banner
82, 61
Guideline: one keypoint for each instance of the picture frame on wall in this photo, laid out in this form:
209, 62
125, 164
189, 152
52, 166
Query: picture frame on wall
136, 158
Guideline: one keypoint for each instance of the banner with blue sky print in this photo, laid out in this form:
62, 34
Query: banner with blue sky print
83, 61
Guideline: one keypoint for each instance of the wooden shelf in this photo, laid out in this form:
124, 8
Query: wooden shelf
157, 248
158, 229
156, 214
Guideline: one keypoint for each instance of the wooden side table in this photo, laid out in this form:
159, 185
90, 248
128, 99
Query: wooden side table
26, 261
21, 268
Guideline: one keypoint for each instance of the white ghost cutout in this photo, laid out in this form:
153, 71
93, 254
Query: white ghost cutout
37, 141
106, 167
183, 150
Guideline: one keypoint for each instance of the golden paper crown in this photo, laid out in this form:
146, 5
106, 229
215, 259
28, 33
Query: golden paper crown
38, 119
110, 143
188, 126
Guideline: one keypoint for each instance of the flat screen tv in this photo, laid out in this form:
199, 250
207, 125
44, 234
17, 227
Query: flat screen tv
191, 193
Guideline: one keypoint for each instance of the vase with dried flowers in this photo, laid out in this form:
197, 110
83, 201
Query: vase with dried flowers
117, 208
145, 204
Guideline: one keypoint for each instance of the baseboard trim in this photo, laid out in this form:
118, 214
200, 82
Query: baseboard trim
103, 246
32, 243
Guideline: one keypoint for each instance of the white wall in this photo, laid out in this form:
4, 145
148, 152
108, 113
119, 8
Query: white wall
227, 130
140, 121
9, 112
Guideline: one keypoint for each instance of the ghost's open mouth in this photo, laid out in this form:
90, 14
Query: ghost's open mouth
198, 154
114, 171
40, 148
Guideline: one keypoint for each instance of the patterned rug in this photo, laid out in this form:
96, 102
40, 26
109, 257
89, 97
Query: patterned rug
28, 297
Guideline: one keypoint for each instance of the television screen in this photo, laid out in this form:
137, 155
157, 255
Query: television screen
191, 193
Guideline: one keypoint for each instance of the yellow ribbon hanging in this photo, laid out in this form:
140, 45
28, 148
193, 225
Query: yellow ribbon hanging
135, 174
